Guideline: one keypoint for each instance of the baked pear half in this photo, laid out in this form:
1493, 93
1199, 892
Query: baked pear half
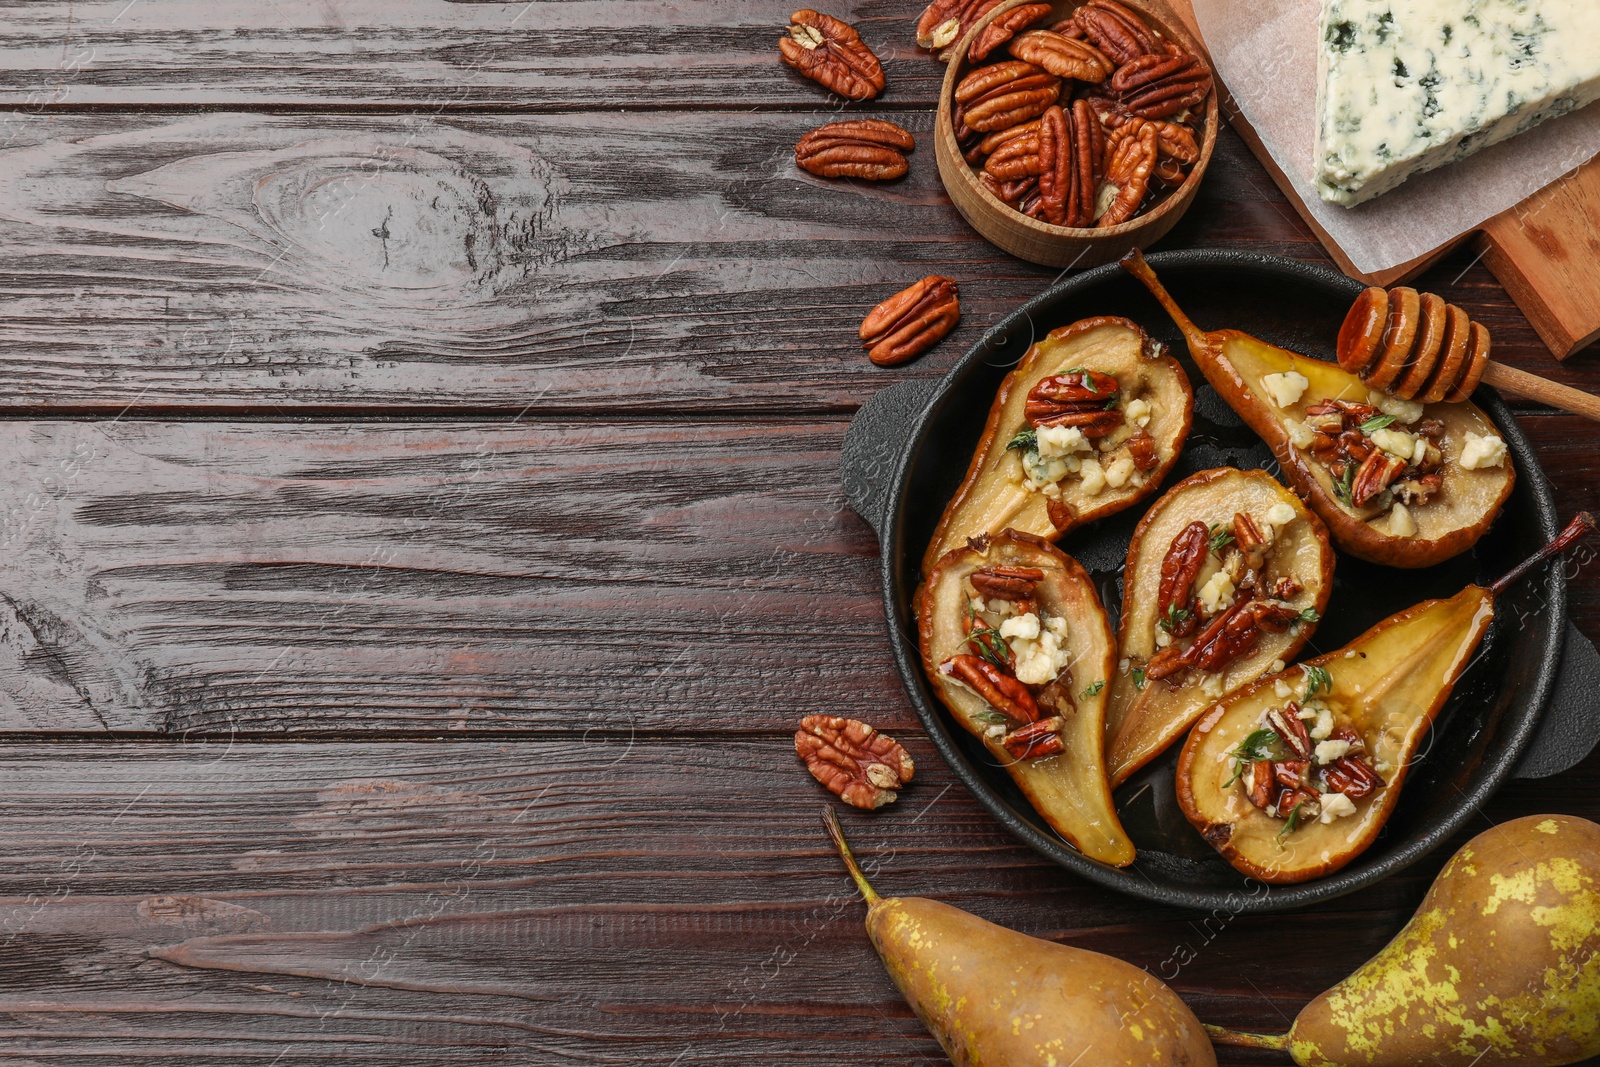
1397, 482
1227, 574
1018, 646
1087, 424
1292, 777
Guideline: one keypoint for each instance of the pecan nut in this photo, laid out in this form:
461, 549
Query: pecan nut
1179, 569
1155, 86
1004, 28
1004, 693
1062, 56
1014, 193
1015, 159
1286, 723
1260, 784
1128, 171
1252, 543
1004, 94
1142, 448
863, 148
856, 763
943, 22
1115, 30
1042, 738
1351, 776
831, 53
1006, 583
911, 322
1078, 390
1374, 475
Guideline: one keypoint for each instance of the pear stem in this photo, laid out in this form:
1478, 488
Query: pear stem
1221, 1035
1134, 263
1581, 525
830, 821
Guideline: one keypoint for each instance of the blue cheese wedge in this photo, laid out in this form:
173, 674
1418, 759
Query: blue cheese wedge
1405, 86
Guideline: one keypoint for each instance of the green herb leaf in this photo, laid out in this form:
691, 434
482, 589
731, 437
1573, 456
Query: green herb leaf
1027, 439
1257, 745
1174, 618
1344, 485
1138, 678
1221, 538
1377, 422
1294, 822
993, 718
1308, 615
1112, 403
1094, 690
1318, 680
990, 645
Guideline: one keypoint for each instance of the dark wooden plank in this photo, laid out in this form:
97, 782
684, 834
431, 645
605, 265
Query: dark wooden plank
564, 575
664, 902
617, 262
523, 54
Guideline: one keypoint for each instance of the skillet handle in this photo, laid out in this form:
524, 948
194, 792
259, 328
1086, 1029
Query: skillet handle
1571, 724
873, 444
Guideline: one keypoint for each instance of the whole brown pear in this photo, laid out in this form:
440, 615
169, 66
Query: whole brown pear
996, 998
1500, 964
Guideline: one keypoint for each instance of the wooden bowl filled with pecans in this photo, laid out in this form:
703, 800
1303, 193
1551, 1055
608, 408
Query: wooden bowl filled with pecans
1071, 132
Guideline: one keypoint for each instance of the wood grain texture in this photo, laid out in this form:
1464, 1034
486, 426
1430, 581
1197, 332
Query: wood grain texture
603, 262
434, 55
557, 576
424, 904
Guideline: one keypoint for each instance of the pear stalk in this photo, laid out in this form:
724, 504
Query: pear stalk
830, 821
1582, 525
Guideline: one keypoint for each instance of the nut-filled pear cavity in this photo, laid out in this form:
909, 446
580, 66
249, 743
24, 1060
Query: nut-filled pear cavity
1227, 573
1017, 645
1397, 482
1087, 424
996, 998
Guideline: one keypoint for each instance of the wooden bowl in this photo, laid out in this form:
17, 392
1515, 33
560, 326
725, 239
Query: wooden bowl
1040, 242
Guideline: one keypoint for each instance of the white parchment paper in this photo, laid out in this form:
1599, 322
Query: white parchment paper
1266, 54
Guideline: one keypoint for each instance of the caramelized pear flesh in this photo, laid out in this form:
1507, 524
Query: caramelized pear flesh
1146, 715
1000, 490
1074, 657
996, 998
1442, 521
1500, 964
1385, 687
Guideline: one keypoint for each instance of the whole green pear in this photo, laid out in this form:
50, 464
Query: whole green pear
996, 998
1499, 966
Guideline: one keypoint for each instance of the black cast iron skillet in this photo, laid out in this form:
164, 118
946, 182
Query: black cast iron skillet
1522, 709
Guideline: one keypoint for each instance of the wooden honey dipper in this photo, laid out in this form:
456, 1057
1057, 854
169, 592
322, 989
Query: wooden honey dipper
1417, 347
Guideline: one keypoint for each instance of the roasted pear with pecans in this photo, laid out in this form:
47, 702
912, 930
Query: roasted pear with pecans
1293, 776
1499, 967
1088, 423
996, 998
1226, 573
1016, 643
1397, 482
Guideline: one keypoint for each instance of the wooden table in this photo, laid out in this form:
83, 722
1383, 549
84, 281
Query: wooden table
423, 531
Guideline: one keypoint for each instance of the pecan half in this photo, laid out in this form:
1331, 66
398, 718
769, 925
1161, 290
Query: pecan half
1133, 160
1252, 544
1042, 738
1229, 635
856, 763
1307, 801
1068, 166
1015, 159
1286, 723
1374, 476
1058, 394
1006, 583
1116, 31
862, 148
1162, 84
1062, 55
944, 21
1179, 569
1059, 512
1004, 29
1351, 776
1012, 193
911, 322
1260, 784
1004, 693
1003, 94
831, 53
992, 142
1142, 448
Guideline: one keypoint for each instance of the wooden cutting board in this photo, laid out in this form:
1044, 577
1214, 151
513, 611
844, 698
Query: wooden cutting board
1545, 251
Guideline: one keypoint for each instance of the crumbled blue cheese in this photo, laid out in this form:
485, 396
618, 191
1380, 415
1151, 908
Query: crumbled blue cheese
1335, 806
1404, 411
1397, 443
1407, 87
1040, 651
1480, 452
1401, 524
1138, 412
1300, 435
1280, 514
1058, 442
1118, 471
1323, 726
1217, 593
1330, 750
1093, 475
1287, 388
